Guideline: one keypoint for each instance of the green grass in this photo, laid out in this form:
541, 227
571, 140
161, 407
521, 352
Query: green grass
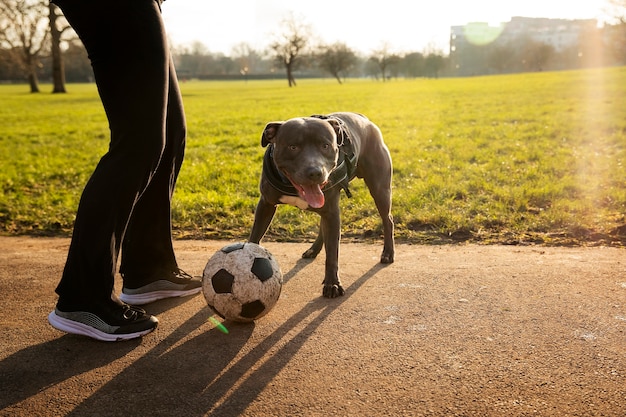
508, 159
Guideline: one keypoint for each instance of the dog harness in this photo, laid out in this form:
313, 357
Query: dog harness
344, 172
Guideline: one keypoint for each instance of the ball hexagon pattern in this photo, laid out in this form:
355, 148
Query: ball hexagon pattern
242, 282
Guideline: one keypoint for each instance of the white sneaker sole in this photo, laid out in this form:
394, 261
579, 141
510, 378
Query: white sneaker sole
75, 327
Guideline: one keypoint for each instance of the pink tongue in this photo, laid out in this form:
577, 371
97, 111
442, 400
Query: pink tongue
313, 195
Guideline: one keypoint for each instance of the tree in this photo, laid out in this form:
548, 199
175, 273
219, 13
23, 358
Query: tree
618, 9
58, 67
384, 60
337, 59
9, 70
194, 61
76, 63
290, 46
243, 54
501, 57
24, 32
617, 33
434, 64
536, 55
413, 64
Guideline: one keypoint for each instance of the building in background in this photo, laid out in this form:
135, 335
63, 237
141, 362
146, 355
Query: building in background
526, 44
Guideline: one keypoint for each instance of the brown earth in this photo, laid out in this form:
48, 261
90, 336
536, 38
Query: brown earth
446, 330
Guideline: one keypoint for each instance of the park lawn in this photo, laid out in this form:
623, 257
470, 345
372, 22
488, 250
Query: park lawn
524, 158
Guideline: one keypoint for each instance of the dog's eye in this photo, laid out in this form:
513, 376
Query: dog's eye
292, 147
325, 146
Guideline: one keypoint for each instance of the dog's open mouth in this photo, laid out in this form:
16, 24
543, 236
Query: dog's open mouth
311, 193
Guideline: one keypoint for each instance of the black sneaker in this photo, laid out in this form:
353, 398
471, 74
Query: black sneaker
123, 323
177, 284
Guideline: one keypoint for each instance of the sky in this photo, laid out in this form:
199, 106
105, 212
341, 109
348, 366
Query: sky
364, 26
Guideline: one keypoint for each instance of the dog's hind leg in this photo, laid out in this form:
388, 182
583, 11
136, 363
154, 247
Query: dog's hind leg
380, 190
384, 209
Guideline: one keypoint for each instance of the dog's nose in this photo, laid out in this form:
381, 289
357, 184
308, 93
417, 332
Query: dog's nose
315, 173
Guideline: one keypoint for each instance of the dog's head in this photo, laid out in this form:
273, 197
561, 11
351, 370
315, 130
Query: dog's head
306, 152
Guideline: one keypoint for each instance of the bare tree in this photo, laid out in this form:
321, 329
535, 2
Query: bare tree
617, 8
617, 32
337, 59
247, 59
24, 32
58, 26
290, 46
384, 60
58, 71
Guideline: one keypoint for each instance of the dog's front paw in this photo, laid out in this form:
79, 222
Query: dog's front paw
310, 253
333, 290
386, 258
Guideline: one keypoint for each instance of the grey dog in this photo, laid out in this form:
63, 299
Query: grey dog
308, 162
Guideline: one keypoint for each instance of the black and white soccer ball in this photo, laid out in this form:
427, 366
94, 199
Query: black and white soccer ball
242, 282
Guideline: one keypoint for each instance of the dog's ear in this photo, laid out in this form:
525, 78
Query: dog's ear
338, 126
335, 124
269, 133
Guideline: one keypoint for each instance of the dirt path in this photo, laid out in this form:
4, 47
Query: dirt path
446, 330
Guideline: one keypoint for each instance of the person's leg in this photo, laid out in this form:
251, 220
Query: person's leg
148, 263
127, 47
147, 245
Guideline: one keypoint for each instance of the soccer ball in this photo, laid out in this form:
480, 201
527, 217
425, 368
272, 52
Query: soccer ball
242, 282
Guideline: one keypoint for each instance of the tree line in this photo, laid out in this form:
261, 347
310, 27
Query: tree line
36, 43
336, 60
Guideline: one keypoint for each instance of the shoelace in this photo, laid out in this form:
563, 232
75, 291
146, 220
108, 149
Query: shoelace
132, 313
182, 274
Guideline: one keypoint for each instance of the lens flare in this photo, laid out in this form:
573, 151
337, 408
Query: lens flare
482, 33
218, 324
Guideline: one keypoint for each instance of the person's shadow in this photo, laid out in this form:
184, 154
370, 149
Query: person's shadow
27, 372
198, 377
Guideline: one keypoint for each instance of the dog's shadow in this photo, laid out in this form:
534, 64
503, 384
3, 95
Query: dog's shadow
297, 268
250, 385
206, 374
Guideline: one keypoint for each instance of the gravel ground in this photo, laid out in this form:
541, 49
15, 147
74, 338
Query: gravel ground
445, 330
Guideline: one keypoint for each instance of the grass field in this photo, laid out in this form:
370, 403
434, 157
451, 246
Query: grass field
508, 159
